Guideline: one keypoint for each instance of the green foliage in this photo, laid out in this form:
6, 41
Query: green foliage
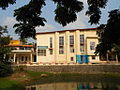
94, 10
10, 85
5, 3
66, 11
29, 18
109, 34
5, 68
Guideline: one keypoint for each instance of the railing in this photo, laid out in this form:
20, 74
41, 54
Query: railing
21, 51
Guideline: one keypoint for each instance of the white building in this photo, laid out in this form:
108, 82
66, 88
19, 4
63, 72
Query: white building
67, 46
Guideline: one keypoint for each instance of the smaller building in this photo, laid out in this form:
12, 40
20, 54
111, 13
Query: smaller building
21, 54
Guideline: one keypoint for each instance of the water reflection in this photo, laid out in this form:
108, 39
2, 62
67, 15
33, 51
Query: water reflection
74, 86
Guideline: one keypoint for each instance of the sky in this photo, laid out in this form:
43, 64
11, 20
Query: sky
6, 17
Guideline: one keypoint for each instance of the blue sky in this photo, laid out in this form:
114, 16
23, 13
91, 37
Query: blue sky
6, 17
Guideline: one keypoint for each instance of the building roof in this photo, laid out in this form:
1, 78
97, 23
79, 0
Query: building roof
86, 29
19, 45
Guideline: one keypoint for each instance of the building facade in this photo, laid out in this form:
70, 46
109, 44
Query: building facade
67, 46
21, 54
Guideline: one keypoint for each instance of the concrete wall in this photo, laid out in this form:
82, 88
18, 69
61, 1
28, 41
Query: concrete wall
76, 68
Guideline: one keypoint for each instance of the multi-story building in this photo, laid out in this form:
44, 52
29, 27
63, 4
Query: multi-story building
21, 54
67, 46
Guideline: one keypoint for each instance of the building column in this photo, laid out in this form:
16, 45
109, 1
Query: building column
116, 59
77, 42
14, 57
67, 46
31, 57
56, 44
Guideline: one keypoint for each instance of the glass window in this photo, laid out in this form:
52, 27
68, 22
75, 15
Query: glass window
93, 57
72, 49
72, 58
82, 48
92, 45
71, 40
82, 39
51, 52
72, 43
26, 58
22, 58
61, 50
61, 45
81, 43
51, 46
61, 40
42, 52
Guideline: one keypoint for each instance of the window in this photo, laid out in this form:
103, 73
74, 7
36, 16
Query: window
71, 40
72, 58
82, 39
93, 57
82, 43
51, 52
72, 44
26, 58
22, 58
92, 45
72, 49
81, 48
61, 41
61, 45
51, 46
42, 52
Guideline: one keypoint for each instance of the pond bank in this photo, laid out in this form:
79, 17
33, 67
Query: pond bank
23, 78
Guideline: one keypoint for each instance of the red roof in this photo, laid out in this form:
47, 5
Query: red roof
20, 45
87, 29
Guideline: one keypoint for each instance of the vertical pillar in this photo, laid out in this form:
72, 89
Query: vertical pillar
107, 57
77, 44
56, 44
14, 57
116, 59
67, 46
31, 57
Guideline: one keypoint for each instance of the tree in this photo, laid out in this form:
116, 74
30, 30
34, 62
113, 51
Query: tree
29, 17
66, 11
4, 58
109, 34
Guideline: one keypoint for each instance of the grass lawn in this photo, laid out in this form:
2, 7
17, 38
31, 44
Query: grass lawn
18, 80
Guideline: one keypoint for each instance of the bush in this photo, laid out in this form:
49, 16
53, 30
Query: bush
5, 69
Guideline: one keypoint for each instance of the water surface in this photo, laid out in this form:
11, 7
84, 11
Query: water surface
74, 86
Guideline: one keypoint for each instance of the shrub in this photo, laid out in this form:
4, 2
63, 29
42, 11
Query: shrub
5, 69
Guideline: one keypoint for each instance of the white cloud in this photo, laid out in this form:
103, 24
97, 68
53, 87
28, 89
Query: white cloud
84, 1
81, 22
47, 27
9, 21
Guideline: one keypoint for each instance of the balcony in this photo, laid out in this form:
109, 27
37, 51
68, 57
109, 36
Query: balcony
21, 51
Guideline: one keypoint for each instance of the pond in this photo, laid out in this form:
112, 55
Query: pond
67, 82
84, 82
74, 86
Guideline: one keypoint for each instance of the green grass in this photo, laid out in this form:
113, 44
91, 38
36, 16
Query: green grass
10, 85
36, 74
